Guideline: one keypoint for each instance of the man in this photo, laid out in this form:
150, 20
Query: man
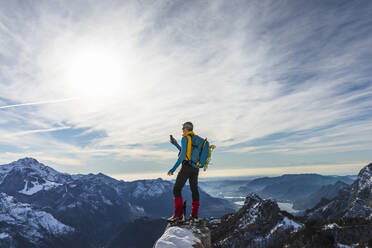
187, 171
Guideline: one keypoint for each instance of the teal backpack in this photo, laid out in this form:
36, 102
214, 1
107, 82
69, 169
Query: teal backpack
201, 151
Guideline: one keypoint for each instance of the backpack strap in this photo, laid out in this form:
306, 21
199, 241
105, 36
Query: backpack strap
189, 144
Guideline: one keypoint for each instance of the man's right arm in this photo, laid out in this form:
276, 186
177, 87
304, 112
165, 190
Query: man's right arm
177, 145
181, 156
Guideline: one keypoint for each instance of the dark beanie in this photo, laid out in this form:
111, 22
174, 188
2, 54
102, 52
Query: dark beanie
188, 125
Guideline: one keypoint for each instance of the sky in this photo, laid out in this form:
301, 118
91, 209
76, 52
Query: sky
98, 86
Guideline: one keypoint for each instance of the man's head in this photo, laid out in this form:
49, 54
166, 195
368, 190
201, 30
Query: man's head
187, 126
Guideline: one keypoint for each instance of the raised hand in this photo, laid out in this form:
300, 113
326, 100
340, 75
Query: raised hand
172, 140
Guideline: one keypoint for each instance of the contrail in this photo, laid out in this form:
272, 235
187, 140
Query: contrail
38, 103
39, 130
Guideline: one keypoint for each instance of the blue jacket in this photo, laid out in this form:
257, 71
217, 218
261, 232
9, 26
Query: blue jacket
182, 154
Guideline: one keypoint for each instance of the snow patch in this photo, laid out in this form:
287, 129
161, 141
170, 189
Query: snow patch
343, 246
175, 237
286, 223
150, 188
74, 205
105, 200
136, 210
250, 217
36, 187
215, 221
3, 235
330, 226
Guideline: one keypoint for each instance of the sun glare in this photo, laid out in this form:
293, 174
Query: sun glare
92, 70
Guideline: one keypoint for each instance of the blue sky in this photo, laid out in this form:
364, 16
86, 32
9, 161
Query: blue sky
98, 86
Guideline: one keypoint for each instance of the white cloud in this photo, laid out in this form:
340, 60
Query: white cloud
238, 72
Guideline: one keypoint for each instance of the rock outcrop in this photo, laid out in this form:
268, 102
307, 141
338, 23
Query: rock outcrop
188, 235
259, 222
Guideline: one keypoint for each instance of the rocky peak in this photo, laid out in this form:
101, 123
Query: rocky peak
353, 201
364, 178
255, 204
27, 161
28, 176
31, 165
258, 220
252, 198
360, 199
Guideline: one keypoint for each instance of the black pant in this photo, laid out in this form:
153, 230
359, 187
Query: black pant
187, 172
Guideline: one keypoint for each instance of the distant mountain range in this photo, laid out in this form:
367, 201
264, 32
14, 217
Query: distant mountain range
290, 187
94, 205
41, 207
343, 221
303, 190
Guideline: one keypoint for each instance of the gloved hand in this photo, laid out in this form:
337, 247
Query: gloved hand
170, 173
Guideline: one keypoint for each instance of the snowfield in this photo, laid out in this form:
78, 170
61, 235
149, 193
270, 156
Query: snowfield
175, 237
32, 187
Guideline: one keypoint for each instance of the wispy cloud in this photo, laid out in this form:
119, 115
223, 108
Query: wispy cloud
286, 77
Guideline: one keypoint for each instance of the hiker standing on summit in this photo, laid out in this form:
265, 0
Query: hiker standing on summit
188, 171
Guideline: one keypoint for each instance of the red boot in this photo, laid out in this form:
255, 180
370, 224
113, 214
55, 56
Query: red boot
195, 210
178, 204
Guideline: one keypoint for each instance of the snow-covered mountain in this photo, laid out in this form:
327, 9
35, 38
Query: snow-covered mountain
352, 201
28, 176
94, 204
21, 223
34, 222
258, 222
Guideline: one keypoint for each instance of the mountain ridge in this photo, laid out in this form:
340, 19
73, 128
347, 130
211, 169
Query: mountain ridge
94, 204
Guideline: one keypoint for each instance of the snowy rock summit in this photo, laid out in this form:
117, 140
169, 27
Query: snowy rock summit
188, 235
259, 222
354, 201
360, 201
